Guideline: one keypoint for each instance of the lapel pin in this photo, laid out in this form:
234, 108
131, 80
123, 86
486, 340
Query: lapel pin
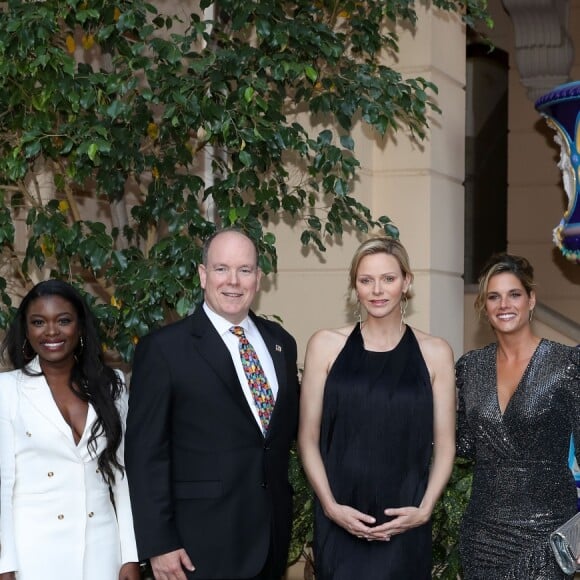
278, 348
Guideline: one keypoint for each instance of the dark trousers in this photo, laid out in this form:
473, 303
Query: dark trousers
267, 570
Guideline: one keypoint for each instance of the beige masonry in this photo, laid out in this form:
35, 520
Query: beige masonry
418, 185
421, 188
536, 198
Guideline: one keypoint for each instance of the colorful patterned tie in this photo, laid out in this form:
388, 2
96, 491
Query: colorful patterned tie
261, 391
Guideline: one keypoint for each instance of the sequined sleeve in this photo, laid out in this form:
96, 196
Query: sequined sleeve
465, 441
573, 372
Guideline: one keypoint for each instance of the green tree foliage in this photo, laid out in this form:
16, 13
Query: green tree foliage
164, 126
446, 519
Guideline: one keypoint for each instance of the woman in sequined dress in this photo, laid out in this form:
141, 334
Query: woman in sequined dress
377, 435
519, 402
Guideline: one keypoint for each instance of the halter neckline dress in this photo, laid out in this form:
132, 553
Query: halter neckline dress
376, 444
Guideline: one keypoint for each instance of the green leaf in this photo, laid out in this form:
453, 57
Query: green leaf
245, 158
120, 260
93, 151
248, 94
347, 142
311, 73
183, 306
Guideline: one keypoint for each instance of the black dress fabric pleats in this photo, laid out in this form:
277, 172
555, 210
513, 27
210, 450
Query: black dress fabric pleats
376, 445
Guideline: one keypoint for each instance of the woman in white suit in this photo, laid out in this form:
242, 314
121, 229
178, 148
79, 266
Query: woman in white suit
64, 506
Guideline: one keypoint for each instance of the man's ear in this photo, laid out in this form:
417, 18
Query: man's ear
201, 270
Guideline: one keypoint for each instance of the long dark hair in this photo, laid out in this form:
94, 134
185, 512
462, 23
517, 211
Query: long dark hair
91, 379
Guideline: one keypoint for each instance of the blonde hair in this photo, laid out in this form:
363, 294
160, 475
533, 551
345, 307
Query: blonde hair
501, 264
381, 245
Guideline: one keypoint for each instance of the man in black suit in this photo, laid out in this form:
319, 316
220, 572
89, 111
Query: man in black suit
208, 481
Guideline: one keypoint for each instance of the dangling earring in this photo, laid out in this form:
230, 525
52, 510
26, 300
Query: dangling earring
25, 346
403, 304
80, 348
531, 315
357, 312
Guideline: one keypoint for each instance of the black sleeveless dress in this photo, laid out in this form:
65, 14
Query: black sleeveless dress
376, 444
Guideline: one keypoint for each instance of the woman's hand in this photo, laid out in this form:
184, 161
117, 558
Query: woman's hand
129, 571
404, 519
354, 522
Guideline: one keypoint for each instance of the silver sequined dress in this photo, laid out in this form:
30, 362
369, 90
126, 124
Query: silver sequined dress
522, 486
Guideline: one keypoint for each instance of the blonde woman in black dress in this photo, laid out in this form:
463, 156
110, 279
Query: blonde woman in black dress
377, 435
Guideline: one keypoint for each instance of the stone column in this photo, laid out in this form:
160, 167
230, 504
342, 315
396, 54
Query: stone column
418, 185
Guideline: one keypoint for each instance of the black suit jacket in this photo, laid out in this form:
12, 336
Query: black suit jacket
201, 474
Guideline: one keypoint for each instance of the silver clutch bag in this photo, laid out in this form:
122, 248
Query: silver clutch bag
565, 543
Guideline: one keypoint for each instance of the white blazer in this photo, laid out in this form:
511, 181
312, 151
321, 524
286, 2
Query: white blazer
57, 521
